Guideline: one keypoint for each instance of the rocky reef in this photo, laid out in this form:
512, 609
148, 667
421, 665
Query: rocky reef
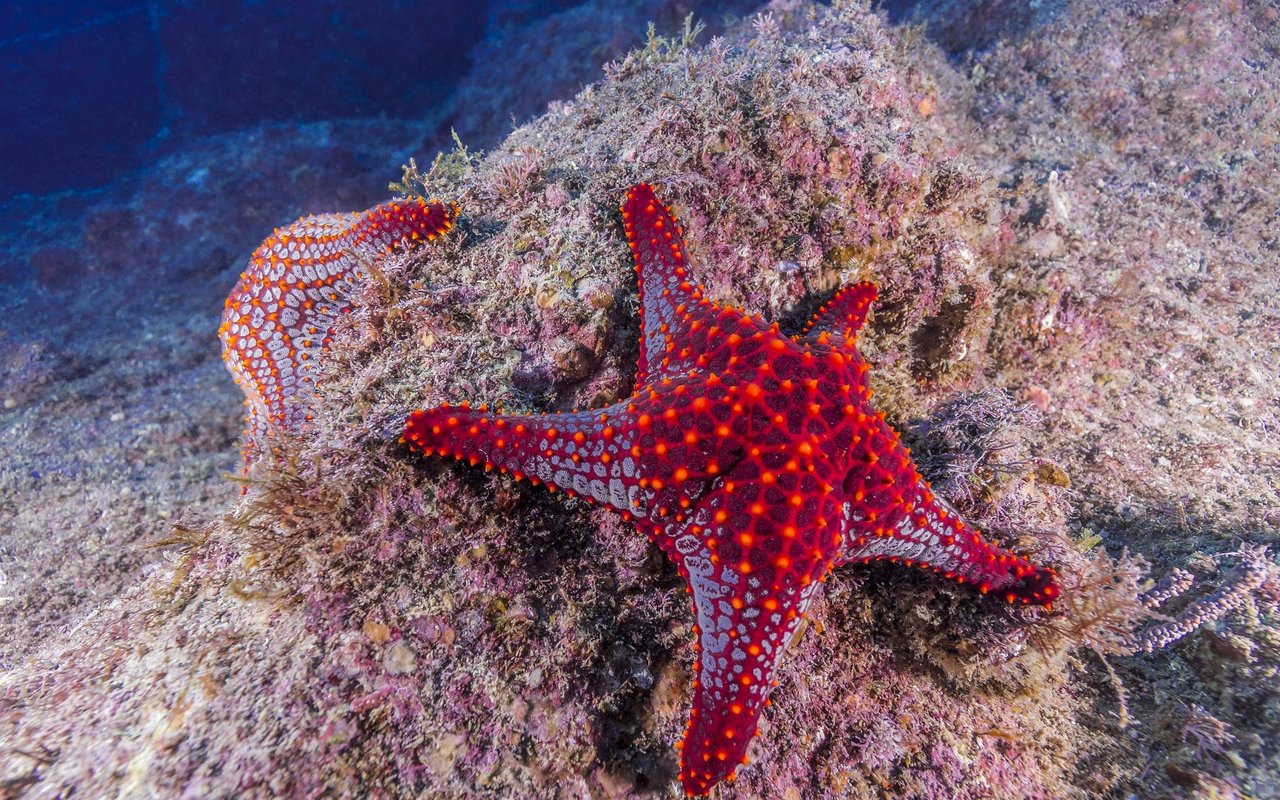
1073, 232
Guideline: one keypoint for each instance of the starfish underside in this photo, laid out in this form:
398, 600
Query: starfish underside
755, 461
281, 314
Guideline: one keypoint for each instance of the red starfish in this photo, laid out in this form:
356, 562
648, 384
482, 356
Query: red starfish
281, 313
755, 461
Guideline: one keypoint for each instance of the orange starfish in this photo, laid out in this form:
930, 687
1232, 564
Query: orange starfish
281, 314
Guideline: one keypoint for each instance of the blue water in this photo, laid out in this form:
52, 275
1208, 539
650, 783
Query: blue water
94, 88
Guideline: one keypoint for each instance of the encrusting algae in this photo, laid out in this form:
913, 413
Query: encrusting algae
368, 623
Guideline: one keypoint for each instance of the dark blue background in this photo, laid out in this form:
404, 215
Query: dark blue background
90, 89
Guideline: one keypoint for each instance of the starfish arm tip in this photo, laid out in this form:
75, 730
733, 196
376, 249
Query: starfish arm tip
844, 314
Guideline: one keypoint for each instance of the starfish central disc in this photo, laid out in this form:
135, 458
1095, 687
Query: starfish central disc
755, 461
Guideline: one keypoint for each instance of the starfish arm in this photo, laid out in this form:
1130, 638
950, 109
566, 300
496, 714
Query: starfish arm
678, 324
752, 570
935, 538
279, 318
890, 513
403, 221
257, 431
739, 652
586, 453
843, 315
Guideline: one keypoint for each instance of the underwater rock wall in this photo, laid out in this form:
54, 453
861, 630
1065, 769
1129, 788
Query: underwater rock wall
365, 623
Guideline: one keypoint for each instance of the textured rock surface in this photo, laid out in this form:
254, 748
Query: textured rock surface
1094, 236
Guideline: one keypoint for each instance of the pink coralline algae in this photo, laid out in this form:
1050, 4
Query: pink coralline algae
281, 314
755, 461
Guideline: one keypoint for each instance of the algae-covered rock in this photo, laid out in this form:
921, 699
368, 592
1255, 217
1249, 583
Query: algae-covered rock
1088, 236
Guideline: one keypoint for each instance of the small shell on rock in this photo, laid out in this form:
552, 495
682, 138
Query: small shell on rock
399, 659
